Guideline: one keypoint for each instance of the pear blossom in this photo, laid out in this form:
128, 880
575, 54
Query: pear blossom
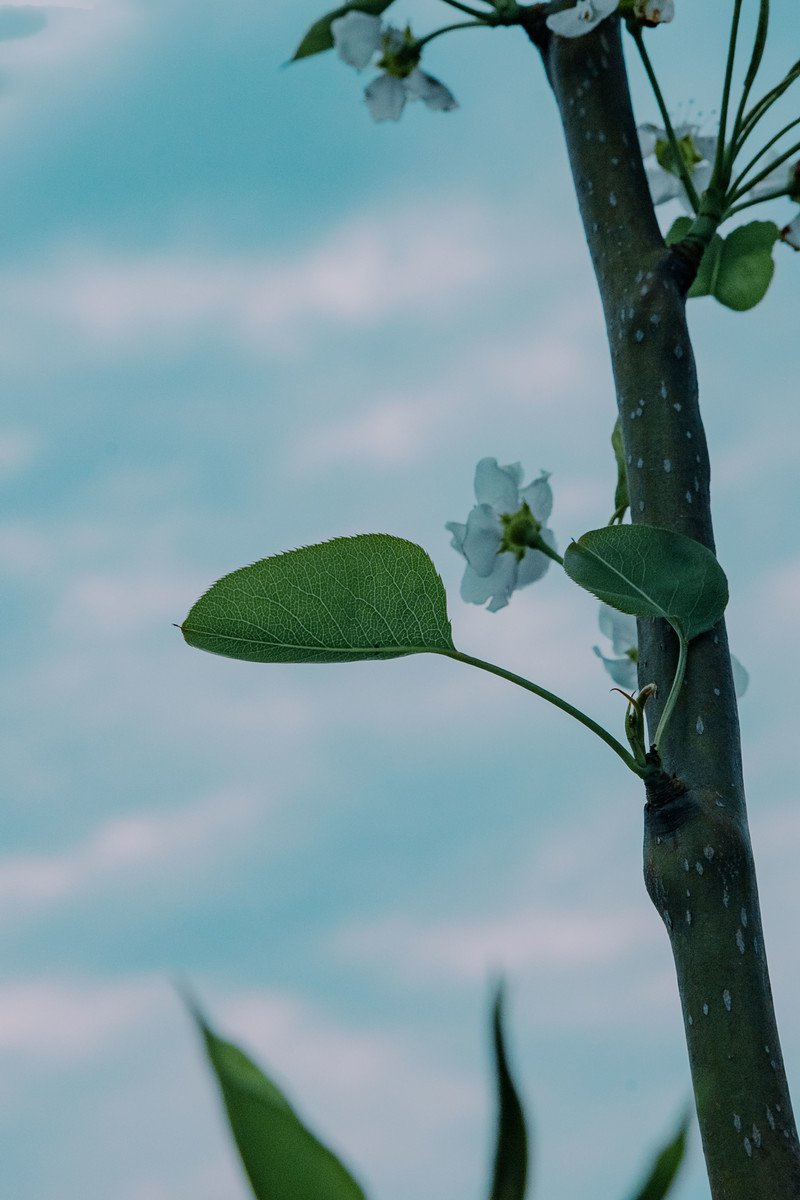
620, 629
358, 37
698, 152
654, 12
496, 567
583, 18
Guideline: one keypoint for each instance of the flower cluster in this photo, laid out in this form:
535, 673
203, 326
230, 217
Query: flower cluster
587, 15
620, 629
492, 540
359, 38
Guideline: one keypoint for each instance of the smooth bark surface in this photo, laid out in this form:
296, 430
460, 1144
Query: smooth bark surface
698, 862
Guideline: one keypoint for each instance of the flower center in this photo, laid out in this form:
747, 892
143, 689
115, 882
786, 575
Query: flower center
400, 53
520, 531
665, 155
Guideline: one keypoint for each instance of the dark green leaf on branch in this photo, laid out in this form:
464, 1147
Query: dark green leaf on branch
282, 1158
745, 266
651, 572
319, 36
666, 1165
621, 498
368, 597
511, 1153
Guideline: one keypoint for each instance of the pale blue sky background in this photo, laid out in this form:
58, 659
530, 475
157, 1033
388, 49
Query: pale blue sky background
237, 317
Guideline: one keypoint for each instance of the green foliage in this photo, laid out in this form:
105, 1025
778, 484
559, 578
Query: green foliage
319, 37
622, 500
511, 1155
736, 270
666, 1165
651, 572
353, 598
282, 1158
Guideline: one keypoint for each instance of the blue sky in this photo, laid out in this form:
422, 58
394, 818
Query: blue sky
237, 317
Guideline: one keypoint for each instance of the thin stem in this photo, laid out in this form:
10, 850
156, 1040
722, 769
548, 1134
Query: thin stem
773, 166
752, 70
726, 93
764, 149
557, 701
677, 684
737, 208
538, 543
680, 162
762, 107
472, 12
423, 41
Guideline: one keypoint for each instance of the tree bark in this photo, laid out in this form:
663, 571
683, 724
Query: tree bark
698, 863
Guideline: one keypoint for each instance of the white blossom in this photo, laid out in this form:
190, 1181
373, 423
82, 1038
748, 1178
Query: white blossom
697, 150
654, 12
359, 38
583, 18
493, 573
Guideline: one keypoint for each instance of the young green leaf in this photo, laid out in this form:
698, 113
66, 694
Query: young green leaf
353, 598
745, 265
651, 572
666, 1165
511, 1154
319, 36
282, 1158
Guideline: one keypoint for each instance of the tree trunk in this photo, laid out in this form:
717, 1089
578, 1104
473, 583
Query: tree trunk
698, 863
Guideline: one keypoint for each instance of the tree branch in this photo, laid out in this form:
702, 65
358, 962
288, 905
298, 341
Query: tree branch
698, 862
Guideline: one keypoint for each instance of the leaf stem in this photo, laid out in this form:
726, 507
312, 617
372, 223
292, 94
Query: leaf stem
484, 17
680, 162
555, 700
672, 698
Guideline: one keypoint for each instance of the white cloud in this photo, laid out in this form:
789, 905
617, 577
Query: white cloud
55, 1021
122, 850
415, 261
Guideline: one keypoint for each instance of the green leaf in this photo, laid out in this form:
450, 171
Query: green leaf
745, 265
319, 36
665, 1167
511, 1154
651, 572
282, 1158
353, 598
621, 497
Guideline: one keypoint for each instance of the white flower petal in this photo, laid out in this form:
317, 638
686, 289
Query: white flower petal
459, 532
779, 177
438, 98
741, 677
477, 589
386, 98
534, 564
648, 136
482, 539
356, 38
619, 628
621, 670
583, 18
663, 184
498, 486
791, 233
539, 497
